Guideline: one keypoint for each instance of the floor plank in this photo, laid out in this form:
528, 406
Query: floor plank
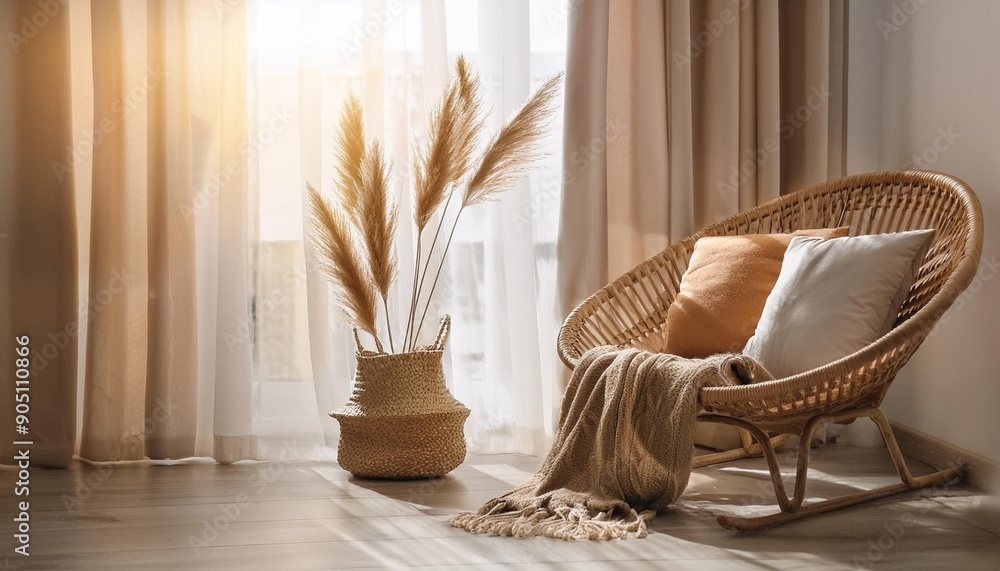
199, 515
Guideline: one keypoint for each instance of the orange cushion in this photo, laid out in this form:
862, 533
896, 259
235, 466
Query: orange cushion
723, 291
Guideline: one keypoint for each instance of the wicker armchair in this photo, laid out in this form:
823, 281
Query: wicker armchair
633, 308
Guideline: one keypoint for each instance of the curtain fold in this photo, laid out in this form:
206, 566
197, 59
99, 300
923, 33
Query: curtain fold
513, 362
811, 69
699, 110
583, 227
114, 391
38, 241
169, 355
235, 382
171, 381
324, 354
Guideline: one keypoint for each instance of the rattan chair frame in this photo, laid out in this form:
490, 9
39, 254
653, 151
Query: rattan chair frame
632, 310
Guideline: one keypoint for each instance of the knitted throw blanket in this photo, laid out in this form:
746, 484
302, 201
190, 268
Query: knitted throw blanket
623, 449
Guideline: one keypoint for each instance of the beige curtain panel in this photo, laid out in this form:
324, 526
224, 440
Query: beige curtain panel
683, 112
135, 111
38, 244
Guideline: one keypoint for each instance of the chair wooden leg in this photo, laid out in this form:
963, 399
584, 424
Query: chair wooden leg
792, 509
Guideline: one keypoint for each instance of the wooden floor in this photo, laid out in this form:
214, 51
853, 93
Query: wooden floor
198, 515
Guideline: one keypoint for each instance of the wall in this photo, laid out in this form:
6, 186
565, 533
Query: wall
924, 92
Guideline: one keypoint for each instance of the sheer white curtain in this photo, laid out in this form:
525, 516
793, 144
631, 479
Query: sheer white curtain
498, 284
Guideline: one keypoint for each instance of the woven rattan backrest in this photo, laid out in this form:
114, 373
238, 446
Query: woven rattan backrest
632, 309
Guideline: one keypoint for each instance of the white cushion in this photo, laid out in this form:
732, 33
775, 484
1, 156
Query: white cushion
834, 297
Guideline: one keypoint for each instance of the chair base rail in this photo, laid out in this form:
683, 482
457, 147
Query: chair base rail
760, 523
793, 508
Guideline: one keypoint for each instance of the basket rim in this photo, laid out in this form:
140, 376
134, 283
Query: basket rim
416, 351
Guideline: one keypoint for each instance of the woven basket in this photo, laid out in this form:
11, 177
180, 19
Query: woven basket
401, 422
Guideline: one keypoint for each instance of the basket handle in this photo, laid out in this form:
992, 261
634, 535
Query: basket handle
361, 349
443, 331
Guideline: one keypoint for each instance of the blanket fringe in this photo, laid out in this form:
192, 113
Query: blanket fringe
570, 522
